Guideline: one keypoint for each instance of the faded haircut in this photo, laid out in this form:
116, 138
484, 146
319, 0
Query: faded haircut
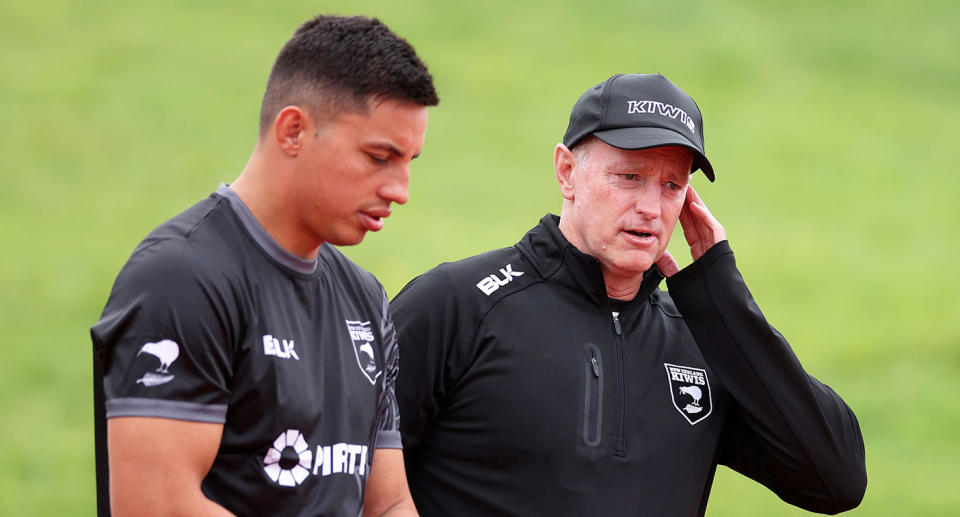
335, 64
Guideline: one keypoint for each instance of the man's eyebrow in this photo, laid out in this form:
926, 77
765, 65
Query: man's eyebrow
631, 167
387, 147
391, 148
627, 166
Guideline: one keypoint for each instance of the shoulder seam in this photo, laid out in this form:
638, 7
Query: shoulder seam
186, 235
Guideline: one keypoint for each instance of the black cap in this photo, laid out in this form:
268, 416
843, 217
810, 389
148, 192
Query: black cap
639, 111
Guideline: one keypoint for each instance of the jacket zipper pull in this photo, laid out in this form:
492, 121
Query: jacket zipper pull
616, 323
594, 365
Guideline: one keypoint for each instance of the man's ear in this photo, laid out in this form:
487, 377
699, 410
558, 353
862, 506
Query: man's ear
289, 128
563, 164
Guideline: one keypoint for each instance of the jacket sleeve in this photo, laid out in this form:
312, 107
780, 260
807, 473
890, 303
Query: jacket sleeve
425, 316
786, 429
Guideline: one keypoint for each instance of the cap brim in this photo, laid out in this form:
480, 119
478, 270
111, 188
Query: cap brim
634, 138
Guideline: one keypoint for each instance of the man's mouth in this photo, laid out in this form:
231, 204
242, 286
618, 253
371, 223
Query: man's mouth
640, 234
373, 219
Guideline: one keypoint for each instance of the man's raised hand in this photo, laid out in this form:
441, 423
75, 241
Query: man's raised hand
700, 228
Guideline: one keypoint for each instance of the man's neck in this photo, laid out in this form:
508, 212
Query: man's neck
619, 287
622, 287
268, 201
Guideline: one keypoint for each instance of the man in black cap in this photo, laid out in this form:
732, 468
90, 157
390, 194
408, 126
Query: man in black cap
553, 377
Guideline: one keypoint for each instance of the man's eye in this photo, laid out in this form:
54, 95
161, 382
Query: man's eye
630, 177
672, 186
378, 159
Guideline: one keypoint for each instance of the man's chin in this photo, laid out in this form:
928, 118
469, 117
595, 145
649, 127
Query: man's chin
635, 267
348, 240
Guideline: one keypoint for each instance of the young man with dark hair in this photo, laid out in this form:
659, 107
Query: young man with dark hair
554, 377
242, 364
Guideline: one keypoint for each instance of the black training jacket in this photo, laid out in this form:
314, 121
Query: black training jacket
521, 393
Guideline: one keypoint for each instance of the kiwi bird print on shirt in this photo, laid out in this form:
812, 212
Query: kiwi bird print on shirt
695, 393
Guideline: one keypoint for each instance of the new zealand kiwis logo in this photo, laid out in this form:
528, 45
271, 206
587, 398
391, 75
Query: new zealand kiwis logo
362, 338
689, 391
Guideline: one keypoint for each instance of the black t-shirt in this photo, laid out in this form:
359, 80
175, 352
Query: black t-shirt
211, 320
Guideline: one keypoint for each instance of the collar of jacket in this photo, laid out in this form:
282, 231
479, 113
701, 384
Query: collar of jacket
555, 258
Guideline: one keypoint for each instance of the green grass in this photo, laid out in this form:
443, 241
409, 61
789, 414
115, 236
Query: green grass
833, 128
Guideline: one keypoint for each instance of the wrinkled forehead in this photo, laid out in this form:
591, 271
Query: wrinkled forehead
668, 158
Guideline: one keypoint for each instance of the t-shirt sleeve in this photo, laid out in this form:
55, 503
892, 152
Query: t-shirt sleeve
165, 340
388, 433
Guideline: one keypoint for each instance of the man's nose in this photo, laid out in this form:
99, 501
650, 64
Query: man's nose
397, 189
648, 202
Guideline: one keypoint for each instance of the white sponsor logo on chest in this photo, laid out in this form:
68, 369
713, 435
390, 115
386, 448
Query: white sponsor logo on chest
290, 460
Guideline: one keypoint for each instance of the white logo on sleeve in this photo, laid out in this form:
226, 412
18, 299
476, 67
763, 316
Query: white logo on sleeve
167, 352
493, 282
289, 460
362, 339
279, 348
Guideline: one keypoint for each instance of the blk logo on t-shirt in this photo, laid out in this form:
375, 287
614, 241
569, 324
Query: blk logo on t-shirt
279, 348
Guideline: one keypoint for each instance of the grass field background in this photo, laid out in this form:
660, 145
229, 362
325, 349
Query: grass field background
833, 127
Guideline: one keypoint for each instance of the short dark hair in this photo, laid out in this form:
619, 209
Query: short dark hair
333, 64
